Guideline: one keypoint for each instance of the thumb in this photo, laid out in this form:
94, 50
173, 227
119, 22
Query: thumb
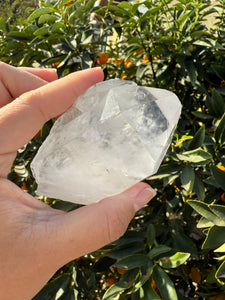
91, 227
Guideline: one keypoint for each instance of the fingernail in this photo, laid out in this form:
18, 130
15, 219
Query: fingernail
143, 198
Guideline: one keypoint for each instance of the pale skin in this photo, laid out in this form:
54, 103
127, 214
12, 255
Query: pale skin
36, 240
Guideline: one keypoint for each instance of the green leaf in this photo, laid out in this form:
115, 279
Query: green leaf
195, 156
220, 249
150, 235
215, 238
211, 278
204, 223
58, 27
192, 73
201, 115
198, 139
144, 276
21, 170
64, 206
199, 188
205, 210
219, 70
165, 72
46, 129
182, 139
20, 36
220, 129
86, 61
217, 103
149, 292
87, 37
125, 5
114, 291
130, 276
141, 71
51, 288
158, 250
125, 250
183, 242
188, 178
118, 11
174, 261
69, 295
42, 31
220, 274
46, 18
164, 284
211, 181
166, 170
219, 211
2, 25
208, 43
40, 11
219, 176
133, 261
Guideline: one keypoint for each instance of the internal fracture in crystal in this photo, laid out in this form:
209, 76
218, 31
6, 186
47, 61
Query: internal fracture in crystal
115, 135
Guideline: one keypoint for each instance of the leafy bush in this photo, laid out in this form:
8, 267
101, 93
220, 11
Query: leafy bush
14, 10
174, 247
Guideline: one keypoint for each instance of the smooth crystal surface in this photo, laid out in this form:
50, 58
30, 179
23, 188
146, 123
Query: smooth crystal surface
115, 135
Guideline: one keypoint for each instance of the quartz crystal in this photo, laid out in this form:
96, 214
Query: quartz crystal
115, 135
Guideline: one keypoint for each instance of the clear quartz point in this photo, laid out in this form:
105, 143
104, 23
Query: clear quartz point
115, 135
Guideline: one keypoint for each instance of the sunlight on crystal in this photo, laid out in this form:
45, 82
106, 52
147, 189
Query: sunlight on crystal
115, 135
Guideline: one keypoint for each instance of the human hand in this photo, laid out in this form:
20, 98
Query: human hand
36, 240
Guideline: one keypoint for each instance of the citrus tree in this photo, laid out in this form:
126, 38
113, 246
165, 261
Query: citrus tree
174, 247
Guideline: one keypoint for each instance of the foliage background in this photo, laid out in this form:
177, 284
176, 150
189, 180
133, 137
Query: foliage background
174, 247
14, 10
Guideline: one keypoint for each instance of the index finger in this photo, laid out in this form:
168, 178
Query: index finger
21, 119
16, 81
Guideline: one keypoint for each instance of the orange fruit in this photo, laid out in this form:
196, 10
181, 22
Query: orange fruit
24, 186
217, 297
146, 59
221, 167
111, 280
220, 297
195, 275
128, 63
124, 77
38, 134
222, 197
118, 61
120, 271
69, 3
55, 64
222, 83
102, 58
139, 51
154, 284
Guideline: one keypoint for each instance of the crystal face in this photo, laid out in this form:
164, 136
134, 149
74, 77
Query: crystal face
115, 135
